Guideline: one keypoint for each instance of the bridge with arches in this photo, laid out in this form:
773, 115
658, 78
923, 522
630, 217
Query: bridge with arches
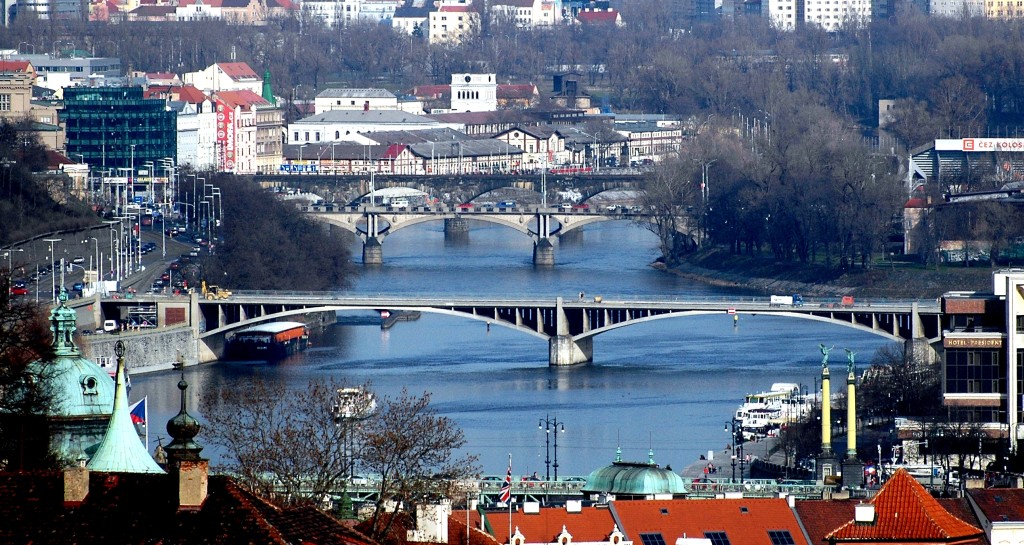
567, 324
373, 223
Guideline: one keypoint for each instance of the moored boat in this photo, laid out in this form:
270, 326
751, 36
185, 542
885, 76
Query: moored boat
271, 341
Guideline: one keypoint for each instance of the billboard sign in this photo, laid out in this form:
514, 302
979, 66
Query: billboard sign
980, 144
226, 134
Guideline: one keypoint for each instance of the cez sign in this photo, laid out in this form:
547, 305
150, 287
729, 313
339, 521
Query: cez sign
297, 169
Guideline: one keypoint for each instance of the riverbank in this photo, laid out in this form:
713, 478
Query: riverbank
766, 276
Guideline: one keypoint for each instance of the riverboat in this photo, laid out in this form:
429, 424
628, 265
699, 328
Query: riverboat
267, 342
764, 412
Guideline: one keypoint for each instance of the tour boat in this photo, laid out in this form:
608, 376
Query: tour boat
271, 341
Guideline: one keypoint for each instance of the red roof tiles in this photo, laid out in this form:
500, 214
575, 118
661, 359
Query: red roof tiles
244, 98
15, 66
238, 70
1000, 504
745, 521
589, 525
905, 511
598, 16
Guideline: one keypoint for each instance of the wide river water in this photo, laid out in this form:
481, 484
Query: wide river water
667, 385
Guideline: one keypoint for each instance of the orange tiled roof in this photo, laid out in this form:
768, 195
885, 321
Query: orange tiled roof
1000, 504
821, 517
14, 66
238, 70
745, 521
905, 511
589, 525
244, 98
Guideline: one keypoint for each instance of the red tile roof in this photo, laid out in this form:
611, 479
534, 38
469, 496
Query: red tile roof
916, 203
1000, 504
430, 91
15, 66
394, 150
244, 98
598, 16
905, 511
137, 508
745, 521
238, 70
821, 517
589, 525
455, 9
512, 91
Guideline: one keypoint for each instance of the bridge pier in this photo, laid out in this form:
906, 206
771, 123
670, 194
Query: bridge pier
455, 226
373, 252
563, 350
920, 349
543, 253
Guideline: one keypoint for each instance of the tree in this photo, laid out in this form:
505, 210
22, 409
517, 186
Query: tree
279, 442
673, 200
412, 451
284, 444
24, 399
901, 383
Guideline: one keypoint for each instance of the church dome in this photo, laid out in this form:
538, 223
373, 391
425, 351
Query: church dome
80, 387
634, 479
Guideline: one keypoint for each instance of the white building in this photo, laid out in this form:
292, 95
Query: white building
236, 142
197, 10
334, 13
784, 13
527, 13
349, 125
225, 76
833, 15
957, 8
413, 18
453, 23
354, 99
378, 11
474, 93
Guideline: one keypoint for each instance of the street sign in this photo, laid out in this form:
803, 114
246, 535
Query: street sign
732, 310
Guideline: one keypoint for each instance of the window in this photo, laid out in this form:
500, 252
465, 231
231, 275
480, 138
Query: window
5, 102
717, 538
652, 539
780, 537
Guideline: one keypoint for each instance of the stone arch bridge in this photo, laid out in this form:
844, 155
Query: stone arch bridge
373, 223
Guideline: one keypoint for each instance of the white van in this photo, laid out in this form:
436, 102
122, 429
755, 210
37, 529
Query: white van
109, 325
400, 204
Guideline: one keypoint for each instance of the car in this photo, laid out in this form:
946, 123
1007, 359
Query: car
581, 206
492, 478
565, 206
78, 260
166, 277
466, 206
575, 479
356, 479
19, 291
78, 286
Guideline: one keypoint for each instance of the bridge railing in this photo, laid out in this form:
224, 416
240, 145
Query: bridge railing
571, 299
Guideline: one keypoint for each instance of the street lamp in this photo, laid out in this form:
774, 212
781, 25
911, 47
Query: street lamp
737, 446
53, 279
550, 425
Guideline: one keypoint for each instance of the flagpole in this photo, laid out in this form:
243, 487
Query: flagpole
145, 407
510, 503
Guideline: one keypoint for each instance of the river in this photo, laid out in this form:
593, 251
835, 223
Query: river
668, 385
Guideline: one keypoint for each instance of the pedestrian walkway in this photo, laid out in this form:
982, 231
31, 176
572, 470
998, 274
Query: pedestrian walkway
721, 461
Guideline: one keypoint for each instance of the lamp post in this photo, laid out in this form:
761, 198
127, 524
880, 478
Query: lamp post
7, 254
550, 425
737, 446
53, 279
95, 267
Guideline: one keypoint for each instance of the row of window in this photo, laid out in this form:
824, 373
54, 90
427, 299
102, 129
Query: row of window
974, 372
777, 537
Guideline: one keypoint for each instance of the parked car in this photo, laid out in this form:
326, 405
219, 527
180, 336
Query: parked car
78, 260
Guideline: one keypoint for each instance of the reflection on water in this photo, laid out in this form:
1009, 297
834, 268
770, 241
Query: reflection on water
667, 385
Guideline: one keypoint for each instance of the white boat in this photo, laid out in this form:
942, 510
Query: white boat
762, 412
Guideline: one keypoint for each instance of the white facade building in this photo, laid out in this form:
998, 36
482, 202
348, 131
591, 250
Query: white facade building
378, 11
474, 93
188, 133
225, 76
527, 13
334, 13
452, 23
197, 11
833, 15
350, 126
354, 99
957, 8
785, 14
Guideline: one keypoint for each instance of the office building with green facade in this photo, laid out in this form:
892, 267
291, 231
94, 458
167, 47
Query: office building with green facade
114, 128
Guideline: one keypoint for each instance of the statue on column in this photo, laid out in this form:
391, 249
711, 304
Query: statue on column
824, 355
849, 360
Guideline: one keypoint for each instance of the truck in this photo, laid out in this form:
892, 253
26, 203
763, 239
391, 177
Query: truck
795, 300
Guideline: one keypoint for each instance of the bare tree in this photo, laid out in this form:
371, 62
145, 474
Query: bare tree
413, 453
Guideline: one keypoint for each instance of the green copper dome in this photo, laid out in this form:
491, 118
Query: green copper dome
634, 479
80, 387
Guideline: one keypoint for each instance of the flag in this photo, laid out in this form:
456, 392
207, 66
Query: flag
506, 487
138, 412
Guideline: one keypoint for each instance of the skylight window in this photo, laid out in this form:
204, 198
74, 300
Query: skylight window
717, 538
652, 539
781, 537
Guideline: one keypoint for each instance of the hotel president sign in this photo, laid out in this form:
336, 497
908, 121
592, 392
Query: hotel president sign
975, 342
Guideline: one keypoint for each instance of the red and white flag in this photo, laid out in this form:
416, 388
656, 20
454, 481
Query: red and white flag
506, 487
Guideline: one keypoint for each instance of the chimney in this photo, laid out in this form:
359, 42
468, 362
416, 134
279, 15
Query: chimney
76, 486
431, 523
193, 481
864, 513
